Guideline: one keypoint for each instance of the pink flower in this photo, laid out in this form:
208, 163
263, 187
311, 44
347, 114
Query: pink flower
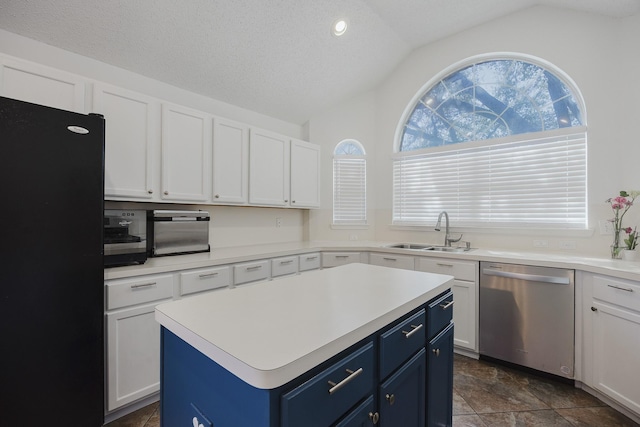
628, 230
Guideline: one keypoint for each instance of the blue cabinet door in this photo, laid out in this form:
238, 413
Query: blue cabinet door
402, 396
440, 379
362, 416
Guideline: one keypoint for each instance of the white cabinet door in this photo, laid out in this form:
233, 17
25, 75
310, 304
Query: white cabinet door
42, 85
616, 345
230, 162
133, 355
465, 314
268, 168
305, 174
392, 260
186, 154
132, 139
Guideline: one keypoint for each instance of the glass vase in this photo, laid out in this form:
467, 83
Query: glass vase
616, 252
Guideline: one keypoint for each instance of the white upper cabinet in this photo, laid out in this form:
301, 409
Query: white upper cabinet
268, 168
41, 85
305, 174
131, 141
230, 162
186, 154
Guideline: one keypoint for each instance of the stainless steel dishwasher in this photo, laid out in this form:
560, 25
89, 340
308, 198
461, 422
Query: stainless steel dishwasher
527, 316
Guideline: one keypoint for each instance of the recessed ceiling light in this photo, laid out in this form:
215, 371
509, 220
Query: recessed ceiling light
339, 27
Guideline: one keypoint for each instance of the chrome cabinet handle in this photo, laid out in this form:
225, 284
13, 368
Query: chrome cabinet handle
436, 351
390, 259
286, 262
447, 305
374, 417
444, 265
391, 398
621, 288
255, 267
352, 374
342, 256
309, 258
143, 285
413, 331
204, 276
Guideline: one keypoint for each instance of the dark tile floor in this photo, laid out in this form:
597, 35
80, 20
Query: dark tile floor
489, 395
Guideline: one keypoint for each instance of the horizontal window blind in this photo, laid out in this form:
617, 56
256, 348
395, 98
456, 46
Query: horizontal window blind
537, 182
349, 190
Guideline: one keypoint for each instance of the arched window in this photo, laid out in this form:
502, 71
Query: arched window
497, 143
349, 183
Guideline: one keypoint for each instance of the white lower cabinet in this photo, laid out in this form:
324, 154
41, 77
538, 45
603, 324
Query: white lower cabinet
284, 266
205, 279
334, 259
253, 271
309, 262
392, 260
611, 316
133, 338
465, 296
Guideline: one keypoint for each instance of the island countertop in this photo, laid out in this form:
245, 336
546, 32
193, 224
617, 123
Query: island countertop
270, 333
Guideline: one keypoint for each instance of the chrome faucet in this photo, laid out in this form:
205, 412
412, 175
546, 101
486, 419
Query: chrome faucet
447, 238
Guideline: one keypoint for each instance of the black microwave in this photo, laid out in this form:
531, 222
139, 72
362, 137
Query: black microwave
125, 237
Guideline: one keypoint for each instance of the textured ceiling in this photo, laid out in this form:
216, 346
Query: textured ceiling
276, 57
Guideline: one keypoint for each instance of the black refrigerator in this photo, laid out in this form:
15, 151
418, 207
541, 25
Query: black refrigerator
51, 272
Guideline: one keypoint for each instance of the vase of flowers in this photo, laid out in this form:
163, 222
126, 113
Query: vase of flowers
620, 205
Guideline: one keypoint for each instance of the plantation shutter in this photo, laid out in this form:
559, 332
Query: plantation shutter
349, 190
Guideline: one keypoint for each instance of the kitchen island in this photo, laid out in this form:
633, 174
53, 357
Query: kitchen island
333, 346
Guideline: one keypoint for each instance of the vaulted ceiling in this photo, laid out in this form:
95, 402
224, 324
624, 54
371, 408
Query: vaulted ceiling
276, 57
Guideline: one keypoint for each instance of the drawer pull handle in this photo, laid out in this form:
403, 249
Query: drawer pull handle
352, 374
390, 259
374, 417
255, 267
204, 276
444, 265
391, 398
436, 351
447, 305
342, 256
621, 288
310, 258
286, 262
413, 331
143, 285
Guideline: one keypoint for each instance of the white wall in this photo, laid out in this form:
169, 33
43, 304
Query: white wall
600, 54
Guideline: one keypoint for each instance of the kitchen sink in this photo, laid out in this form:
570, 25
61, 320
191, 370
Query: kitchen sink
414, 246
426, 247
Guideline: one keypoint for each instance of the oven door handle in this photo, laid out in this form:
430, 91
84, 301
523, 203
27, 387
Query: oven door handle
528, 277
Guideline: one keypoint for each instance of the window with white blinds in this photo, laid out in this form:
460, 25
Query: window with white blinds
538, 181
349, 184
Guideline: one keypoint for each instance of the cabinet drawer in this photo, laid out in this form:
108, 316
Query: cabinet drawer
251, 271
334, 259
400, 342
204, 280
392, 260
309, 261
439, 314
624, 293
122, 293
462, 270
323, 399
284, 265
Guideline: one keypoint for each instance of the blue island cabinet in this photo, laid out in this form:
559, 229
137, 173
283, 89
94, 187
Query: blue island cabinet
401, 375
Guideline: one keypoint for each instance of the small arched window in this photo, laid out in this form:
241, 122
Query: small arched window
496, 142
349, 183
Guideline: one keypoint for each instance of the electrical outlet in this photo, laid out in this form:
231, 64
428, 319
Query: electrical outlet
606, 226
278, 222
540, 243
567, 244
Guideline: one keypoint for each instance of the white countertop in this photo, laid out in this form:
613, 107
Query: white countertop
269, 334
217, 256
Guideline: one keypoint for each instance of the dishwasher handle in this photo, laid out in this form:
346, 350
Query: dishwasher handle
529, 277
